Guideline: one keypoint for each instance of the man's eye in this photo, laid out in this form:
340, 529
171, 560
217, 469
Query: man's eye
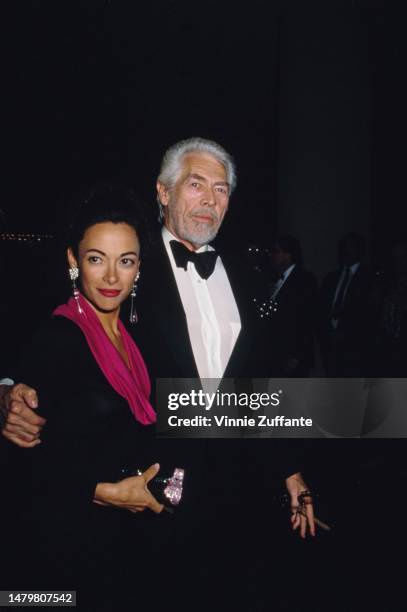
222, 190
195, 184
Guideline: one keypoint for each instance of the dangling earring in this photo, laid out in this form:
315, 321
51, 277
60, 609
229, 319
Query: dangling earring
74, 275
133, 313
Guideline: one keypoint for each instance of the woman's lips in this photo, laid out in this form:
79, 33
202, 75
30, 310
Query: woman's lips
110, 292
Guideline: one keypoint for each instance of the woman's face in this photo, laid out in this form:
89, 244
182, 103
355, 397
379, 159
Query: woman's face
108, 262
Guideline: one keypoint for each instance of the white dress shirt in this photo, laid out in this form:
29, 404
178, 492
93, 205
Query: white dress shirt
211, 311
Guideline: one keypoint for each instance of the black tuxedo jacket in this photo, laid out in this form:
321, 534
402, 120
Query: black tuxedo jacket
354, 325
292, 325
162, 335
162, 331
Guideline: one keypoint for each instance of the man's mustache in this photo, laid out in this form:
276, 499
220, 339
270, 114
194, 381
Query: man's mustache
205, 213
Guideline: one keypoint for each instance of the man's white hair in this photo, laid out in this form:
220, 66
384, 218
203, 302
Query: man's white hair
171, 165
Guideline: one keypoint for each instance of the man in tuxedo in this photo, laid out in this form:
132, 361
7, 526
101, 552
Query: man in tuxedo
294, 293
345, 325
195, 319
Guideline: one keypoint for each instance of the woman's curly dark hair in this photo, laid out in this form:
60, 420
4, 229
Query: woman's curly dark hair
107, 203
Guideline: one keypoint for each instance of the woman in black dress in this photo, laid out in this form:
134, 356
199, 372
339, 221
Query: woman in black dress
81, 521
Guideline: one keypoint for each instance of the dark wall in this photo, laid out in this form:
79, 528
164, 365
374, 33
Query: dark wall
309, 97
389, 130
325, 114
100, 89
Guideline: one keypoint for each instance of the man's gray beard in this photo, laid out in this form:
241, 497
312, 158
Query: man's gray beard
197, 238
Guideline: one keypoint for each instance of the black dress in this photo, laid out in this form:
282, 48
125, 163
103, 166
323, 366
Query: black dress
91, 435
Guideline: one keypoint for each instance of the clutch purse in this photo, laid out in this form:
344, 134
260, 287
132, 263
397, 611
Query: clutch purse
167, 490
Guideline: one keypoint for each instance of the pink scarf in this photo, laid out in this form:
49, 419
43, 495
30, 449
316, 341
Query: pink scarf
131, 383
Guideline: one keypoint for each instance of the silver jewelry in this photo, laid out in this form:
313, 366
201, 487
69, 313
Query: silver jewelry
133, 312
74, 275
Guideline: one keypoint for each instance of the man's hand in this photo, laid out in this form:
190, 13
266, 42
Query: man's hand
302, 511
130, 493
20, 424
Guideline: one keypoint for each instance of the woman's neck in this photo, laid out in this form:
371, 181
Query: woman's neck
109, 320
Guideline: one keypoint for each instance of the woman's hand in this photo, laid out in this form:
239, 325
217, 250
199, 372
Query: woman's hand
130, 493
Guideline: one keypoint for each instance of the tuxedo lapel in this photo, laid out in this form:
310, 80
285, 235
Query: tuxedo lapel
168, 311
243, 349
164, 322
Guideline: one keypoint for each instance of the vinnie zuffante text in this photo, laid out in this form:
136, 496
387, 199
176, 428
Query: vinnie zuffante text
219, 400
261, 420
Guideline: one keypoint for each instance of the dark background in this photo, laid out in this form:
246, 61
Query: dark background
310, 99
101, 89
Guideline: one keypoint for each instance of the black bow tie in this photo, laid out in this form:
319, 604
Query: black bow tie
204, 262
